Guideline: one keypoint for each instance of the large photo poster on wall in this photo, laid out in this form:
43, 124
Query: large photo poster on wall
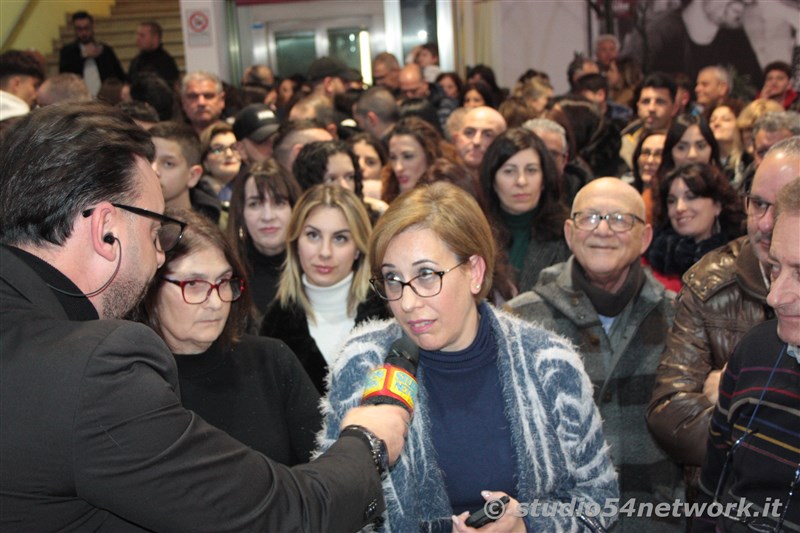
687, 35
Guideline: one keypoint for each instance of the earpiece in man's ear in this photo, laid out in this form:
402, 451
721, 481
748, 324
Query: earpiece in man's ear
109, 238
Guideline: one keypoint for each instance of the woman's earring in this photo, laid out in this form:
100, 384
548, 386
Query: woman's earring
241, 233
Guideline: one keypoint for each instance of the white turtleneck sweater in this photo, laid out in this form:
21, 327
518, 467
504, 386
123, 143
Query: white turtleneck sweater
332, 322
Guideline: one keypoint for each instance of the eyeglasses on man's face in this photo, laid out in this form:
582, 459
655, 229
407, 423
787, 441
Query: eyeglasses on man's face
197, 291
170, 232
756, 207
617, 222
425, 285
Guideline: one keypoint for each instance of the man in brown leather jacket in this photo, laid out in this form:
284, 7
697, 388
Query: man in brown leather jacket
724, 295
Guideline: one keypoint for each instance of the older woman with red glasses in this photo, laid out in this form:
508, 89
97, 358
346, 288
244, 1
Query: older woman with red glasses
251, 387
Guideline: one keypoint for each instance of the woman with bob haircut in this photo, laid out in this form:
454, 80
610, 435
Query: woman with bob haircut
698, 211
522, 189
251, 387
323, 290
413, 146
261, 206
536, 433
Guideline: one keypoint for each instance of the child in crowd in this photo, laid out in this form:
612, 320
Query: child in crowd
177, 164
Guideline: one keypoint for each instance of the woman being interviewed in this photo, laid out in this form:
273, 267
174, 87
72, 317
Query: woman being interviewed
251, 387
324, 286
502, 405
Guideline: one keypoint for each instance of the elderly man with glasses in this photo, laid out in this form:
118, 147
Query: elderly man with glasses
724, 295
618, 316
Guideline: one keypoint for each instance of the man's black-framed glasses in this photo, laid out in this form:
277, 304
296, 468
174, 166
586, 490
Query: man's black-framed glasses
170, 232
618, 222
755, 206
425, 285
197, 291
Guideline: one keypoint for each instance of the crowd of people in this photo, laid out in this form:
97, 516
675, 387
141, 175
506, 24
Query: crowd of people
576, 270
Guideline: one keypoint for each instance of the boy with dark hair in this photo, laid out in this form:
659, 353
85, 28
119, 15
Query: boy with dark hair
178, 166
20, 77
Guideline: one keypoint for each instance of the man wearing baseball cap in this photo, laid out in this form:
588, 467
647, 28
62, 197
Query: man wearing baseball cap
254, 127
329, 76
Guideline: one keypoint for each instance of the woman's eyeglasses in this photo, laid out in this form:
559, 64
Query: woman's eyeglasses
218, 149
426, 285
197, 291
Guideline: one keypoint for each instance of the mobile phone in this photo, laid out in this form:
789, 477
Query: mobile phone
491, 511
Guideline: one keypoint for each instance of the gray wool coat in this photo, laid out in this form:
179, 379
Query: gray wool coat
622, 369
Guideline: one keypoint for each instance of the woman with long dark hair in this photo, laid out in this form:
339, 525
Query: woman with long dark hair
698, 211
523, 193
261, 206
413, 146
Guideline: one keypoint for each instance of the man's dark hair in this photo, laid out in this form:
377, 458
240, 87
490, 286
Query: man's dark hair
576, 65
286, 135
155, 28
182, 134
138, 110
783, 66
82, 15
18, 63
591, 82
658, 80
151, 88
61, 160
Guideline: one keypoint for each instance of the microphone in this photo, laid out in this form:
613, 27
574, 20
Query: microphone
395, 382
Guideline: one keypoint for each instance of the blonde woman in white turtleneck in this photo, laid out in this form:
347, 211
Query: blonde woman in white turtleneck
324, 287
